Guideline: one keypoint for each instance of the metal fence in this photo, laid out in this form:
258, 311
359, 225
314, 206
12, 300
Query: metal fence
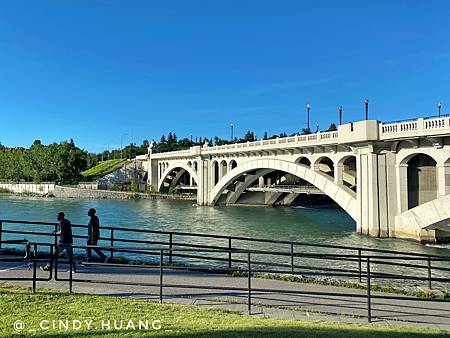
228, 254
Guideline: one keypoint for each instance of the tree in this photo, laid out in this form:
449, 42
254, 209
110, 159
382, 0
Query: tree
169, 139
163, 139
249, 136
332, 127
306, 131
265, 135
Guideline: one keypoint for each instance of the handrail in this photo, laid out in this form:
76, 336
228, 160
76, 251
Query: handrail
236, 238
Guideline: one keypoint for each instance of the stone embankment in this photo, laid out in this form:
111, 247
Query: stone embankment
66, 192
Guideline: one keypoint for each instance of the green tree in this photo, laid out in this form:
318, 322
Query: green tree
332, 127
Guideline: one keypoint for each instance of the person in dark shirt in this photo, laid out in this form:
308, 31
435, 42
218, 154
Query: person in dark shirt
64, 231
94, 235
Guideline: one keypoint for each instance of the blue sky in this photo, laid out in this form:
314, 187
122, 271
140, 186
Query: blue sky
105, 72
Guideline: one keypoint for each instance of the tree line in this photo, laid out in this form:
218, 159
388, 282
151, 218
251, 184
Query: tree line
63, 162
57, 162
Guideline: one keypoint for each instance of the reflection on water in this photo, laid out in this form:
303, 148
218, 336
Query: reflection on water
321, 226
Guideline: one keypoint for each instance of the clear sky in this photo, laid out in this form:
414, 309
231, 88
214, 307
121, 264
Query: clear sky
107, 71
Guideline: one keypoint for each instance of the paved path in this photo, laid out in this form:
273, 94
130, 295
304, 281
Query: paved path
280, 304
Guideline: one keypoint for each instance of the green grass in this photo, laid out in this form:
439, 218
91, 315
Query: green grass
102, 169
18, 303
443, 295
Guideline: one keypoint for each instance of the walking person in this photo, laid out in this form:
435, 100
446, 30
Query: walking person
64, 231
93, 236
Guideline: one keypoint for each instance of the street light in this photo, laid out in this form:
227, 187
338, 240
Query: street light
439, 108
121, 142
340, 115
308, 108
366, 104
232, 127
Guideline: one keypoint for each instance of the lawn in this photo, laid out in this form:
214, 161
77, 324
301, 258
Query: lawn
46, 306
102, 169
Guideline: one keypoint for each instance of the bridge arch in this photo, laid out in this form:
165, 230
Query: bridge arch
342, 196
421, 179
223, 168
346, 171
232, 164
325, 165
169, 168
402, 160
303, 160
215, 172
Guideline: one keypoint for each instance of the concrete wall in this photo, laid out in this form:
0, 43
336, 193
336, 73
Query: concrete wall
88, 185
24, 188
66, 192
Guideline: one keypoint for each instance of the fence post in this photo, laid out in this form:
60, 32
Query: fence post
55, 259
292, 257
70, 267
1, 231
369, 305
161, 257
111, 244
249, 284
229, 253
170, 248
34, 269
429, 273
359, 265
56, 237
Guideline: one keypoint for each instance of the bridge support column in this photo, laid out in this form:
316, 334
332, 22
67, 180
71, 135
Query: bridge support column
339, 173
402, 187
288, 199
261, 182
153, 174
204, 178
443, 178
220, 171
369, 194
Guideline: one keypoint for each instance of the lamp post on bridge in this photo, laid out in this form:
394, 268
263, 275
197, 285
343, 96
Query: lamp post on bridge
232, 127
439, 108
340, 115
308, 108
366, 105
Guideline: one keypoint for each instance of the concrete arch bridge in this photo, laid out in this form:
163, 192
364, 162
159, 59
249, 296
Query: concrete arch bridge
393, 179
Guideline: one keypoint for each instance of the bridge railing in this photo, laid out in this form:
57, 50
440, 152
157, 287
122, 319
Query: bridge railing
427, 126
418, 127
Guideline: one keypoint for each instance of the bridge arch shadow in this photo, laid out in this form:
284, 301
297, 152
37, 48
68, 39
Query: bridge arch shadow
345, 197
174, 172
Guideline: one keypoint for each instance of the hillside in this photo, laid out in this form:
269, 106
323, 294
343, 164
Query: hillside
102, 169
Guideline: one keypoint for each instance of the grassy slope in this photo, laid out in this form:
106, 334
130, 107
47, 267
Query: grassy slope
184, 321
102, 169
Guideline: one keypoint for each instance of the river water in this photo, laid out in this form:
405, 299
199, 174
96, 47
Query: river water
321, 226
